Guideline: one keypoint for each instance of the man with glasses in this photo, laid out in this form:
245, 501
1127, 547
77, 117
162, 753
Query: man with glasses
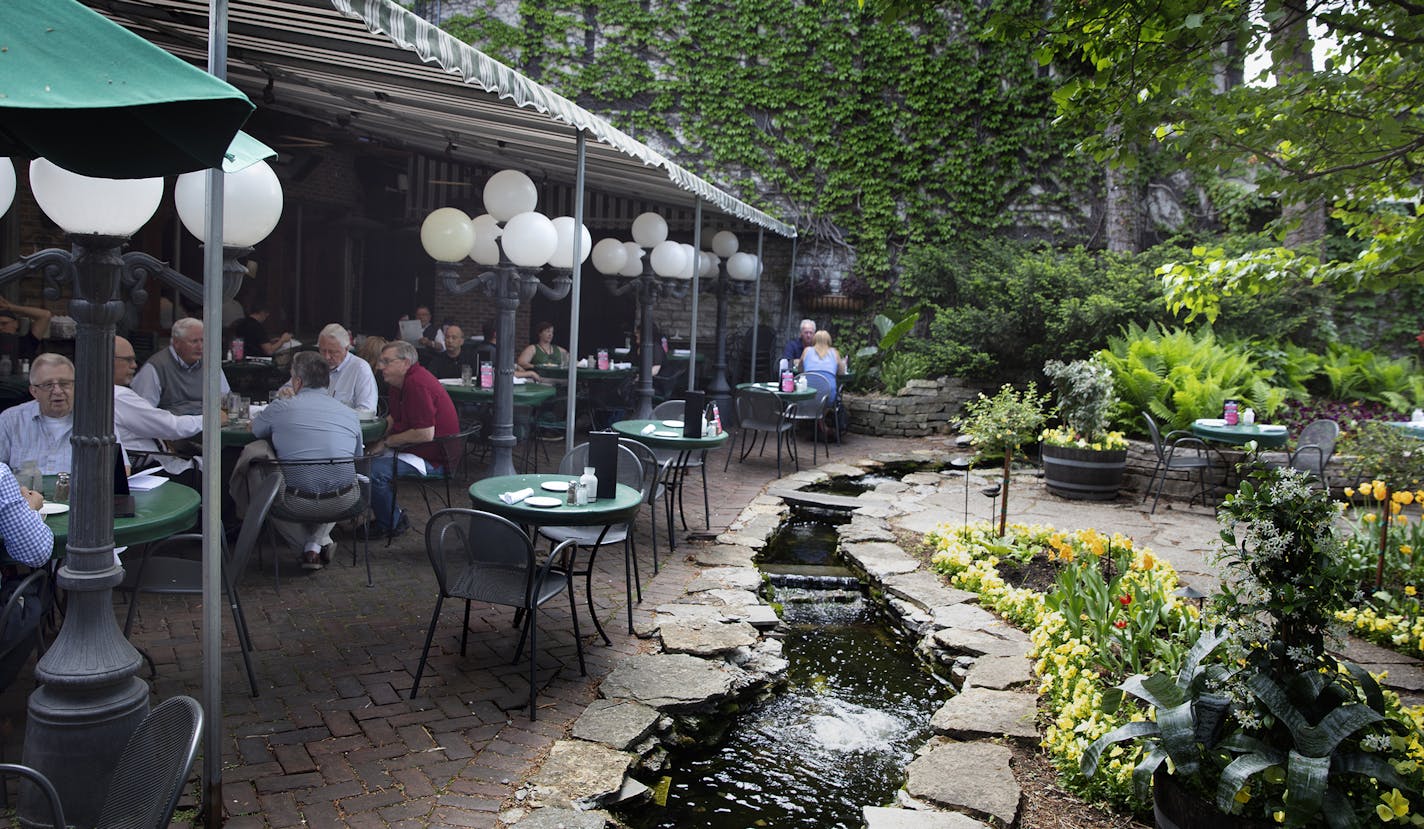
420, 411
138, 424
352, 382
172, 379
39, 430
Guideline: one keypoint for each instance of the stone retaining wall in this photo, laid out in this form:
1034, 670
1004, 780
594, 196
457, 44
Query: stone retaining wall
1141, 460
923, 407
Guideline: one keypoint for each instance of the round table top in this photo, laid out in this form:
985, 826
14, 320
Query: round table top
240, 434
660, 439
1266, 435
601, 373
785, 396
158, 513
1409, 427
485, 495
525, 394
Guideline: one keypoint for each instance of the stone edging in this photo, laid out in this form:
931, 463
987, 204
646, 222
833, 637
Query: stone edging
712, 649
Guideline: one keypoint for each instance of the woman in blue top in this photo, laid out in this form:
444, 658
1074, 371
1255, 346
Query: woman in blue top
821, 358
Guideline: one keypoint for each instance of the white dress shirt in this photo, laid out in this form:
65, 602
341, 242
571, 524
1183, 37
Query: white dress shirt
139, 425
353, 383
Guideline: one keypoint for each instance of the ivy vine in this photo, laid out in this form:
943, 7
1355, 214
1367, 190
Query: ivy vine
879, 136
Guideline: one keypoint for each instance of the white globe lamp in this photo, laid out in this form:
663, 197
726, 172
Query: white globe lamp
689, 262
100, 206
7, 184
633, 266
530, 239
649, 230
509, 193
724, 244
742, 267
447, 234
609, 257
564, 252
252, 204
668, 259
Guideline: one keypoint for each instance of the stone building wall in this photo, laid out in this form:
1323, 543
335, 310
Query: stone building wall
923, 407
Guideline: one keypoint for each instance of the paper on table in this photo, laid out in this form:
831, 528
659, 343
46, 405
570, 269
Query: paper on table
414, 460
516, 496
146, 480
648, 430
410, 330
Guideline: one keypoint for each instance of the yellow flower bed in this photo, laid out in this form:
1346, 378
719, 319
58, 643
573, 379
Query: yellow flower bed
1395, 630
1070, 689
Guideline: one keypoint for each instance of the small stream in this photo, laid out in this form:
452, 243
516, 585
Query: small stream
855, 707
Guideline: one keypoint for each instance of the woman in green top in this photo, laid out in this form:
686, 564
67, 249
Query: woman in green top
542, 353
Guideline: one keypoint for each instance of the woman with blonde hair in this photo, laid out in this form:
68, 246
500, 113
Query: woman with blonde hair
370, 351
823, 359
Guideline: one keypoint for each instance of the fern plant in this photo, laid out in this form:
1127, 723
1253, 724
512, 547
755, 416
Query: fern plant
1178, 376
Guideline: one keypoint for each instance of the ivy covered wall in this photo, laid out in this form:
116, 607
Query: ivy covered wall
873, 137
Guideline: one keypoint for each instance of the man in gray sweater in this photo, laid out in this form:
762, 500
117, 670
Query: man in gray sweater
172, 379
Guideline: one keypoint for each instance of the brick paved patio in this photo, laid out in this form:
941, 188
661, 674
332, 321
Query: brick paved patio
334, 741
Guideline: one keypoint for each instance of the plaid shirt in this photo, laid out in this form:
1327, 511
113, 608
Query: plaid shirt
26, 537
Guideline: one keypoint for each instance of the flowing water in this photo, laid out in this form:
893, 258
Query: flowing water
855, 707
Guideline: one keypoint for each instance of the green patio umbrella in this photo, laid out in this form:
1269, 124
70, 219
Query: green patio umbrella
96, 99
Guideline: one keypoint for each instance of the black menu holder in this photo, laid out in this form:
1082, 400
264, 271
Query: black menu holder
694, 402
123, 501
603, 457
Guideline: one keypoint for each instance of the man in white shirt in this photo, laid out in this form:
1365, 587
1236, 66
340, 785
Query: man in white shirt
138, 424
39, 430
352, 383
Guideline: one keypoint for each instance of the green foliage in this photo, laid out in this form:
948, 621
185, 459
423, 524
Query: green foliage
1085, 395
885, 137
1005, 421
1379, 451
878, 368
901, 368
1003, 308
1260, 715
1177, 376
1350, 373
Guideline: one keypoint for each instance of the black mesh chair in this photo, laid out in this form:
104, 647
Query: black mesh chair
761, 412
481, 557
674, 410
297, 502
150, 774
22, 624
814, 412
630, 473
1177, 451
1314, 448
657, 489
176, 574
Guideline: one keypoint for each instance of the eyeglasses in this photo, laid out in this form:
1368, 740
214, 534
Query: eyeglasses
385, 361
53, 386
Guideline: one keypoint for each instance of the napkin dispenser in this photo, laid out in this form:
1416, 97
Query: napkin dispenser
694, 402
603, 457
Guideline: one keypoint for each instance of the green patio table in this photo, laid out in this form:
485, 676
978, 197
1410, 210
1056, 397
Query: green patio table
784, 396
1266, 435
605, 512
671, 439
158, 513
525, 394
1409, 427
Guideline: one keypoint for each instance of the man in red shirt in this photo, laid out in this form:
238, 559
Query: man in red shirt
420, 411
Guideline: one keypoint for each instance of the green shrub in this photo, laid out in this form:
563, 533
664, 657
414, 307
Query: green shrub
1177, 377
902, 367
1349, 373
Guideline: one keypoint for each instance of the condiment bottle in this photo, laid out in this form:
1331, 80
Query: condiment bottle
61, 487
1230, 414
589, 481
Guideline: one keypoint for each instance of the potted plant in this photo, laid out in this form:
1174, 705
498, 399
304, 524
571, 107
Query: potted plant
1260, 726
1001, 424
1082, 459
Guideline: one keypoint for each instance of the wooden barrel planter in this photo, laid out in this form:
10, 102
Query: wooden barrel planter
1174, 806
1083, 474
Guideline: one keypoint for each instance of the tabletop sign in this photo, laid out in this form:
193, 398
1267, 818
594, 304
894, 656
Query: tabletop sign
694, 402
603, 457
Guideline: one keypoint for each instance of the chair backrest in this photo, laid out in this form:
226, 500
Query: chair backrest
467, 546
820, 381
153, 768
759, 409
315, 475
652, 467
258, 505
821, 403
669, 410
1317, 435
630, 469
1156, 435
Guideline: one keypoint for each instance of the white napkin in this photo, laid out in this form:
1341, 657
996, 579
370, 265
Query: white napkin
623, 366
583, 363
515, 497
648, 430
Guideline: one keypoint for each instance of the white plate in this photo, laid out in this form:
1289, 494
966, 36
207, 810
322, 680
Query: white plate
673, 424
451, 381
543, 501
664, 433
52, 508
555, 486
1273, 430
1211, 421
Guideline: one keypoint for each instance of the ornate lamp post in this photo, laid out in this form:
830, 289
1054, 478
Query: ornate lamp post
734, 274
670, 267
517, 252
89, 699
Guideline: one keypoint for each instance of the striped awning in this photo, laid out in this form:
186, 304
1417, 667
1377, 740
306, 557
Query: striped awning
380, 73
